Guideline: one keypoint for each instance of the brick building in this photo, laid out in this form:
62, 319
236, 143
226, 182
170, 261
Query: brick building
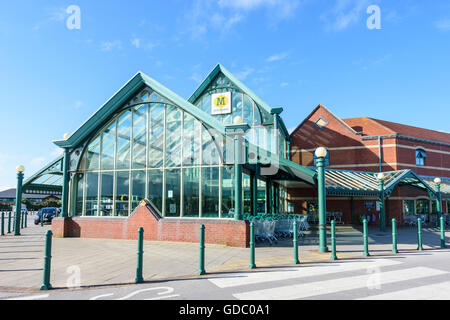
371, 145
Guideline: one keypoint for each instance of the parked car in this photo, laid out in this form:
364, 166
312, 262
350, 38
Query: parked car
48, 215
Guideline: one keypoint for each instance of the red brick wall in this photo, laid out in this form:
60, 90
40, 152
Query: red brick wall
224, 231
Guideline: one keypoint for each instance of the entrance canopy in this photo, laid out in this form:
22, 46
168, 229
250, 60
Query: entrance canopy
48, 180
363, 184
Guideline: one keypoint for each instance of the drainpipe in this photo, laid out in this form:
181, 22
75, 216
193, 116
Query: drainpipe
379, 154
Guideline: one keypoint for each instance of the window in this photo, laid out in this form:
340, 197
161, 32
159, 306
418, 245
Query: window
408, 207
420, 157
321, 123
423, 206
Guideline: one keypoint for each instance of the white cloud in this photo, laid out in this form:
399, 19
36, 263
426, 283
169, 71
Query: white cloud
284, 84
56, 14
110, 45
38, 161
278, 57
243, 74
79, 104
344, 14
443, 25
280, 9
56, 153
136, 42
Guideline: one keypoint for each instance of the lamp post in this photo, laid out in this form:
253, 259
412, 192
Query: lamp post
437, 183
20, 170
381, 177
321, 153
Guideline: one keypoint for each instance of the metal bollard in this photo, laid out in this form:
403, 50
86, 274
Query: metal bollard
333, 240
201, 270
419, 234
252, 246
42, 219
295, 242
366, 239
394, 236
26, 219
3, 224
140, 253
47, 261
442, 232
9, 222
22, 220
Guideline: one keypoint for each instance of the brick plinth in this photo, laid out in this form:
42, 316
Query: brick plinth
217, 231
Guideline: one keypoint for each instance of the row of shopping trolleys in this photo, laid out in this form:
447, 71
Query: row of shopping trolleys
282, 229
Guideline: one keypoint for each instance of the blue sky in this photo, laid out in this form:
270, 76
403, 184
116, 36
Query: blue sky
295, 54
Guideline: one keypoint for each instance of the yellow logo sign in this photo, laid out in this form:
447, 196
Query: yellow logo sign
221, 102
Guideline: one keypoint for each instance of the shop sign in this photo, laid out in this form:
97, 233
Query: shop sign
221, 103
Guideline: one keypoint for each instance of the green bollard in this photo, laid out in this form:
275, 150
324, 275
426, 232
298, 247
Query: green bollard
140, 253
3, 224
252, 246
42, 219
333, 240
9, 222
26, 219
366, 239
295, 242
201, 270
394, 236
419, 234
22, 220
442, 232
47, 261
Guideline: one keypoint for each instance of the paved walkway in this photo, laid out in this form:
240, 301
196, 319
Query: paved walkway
101, 262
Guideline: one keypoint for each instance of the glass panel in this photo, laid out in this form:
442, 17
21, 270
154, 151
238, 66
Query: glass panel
173, 183
248, 110
246, 193
173, 137
191, 140
91, 194
227, 192
236, 104
210, 153
155, 188
79, 195
106, 198
210, 192
108, 147
123, 141
256, 116
422, 206
139, 137
92, 155
156, 136
122, 193
191, 180
137, 188
261, 202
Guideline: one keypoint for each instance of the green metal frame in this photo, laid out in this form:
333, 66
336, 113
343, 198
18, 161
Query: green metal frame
54, 168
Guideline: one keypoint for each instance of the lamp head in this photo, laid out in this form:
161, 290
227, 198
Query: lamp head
66, 136
20, 169
381, 176
321, 152
438, 181
238, 120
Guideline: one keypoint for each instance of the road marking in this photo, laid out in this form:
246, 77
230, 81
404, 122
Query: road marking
337, 285
299, 272
437, 291
167, 291
42, 296
102, 296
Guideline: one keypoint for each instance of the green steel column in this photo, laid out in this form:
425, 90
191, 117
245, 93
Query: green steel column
442, 220
3, 224
322, 205
382, 212
18, 204
201, 270
140, 254
47, 261
438, 200
238, 209
269, 202
419, 234
387, 210
254, 182
295, 242
333, 240
65, 185
252, 246
394, 236
366, 238
9, 222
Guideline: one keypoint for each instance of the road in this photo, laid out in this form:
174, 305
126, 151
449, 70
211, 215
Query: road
413, 275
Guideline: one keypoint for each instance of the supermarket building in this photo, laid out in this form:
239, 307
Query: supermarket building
150, 158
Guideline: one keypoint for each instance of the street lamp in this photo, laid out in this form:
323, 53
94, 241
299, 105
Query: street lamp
437, 182
321, 154
381, 177
20, 170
